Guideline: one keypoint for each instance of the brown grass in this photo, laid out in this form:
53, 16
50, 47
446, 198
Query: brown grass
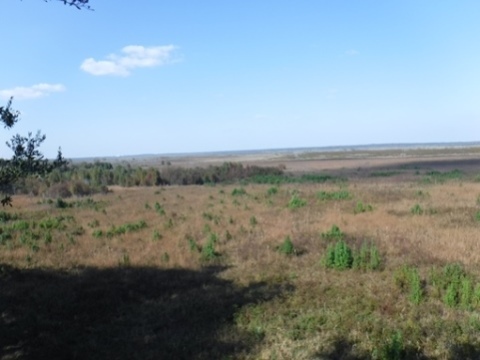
269, 305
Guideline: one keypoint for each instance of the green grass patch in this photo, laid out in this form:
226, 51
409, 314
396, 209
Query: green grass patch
290, 179
333, 234
334, 195
360, 207
286, 247
435, 177
239, 192
296, 202
384, 173
341, 256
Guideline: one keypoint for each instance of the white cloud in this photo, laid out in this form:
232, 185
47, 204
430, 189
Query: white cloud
133, 56
32, 92
352, 52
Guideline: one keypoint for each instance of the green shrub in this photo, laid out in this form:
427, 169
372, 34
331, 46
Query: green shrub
455, 287
272, 191
97, 233
253, 221
47, 238
334, 195
53, 223
20, 225
477, 216
392, 349
361, 208
416, 210
165, 257
287, 247
296, 202
441, 177
408, 280
416, 290
208, 251
367, 258
94, 223
375, 261
159, 209
126, 228
156, 235
5, 216
62, 204
333, 234
451, 295
239, 192
384, 173
466, 293
192, 244
341, 257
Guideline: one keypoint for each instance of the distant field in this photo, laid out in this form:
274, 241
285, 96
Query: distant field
380, 261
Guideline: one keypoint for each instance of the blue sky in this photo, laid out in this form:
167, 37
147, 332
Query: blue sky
137, 77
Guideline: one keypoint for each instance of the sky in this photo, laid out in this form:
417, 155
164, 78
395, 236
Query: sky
178, 76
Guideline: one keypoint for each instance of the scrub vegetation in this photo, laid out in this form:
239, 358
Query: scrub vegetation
259, 265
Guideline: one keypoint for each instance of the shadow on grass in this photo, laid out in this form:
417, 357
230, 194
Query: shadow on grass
345, 350
123, 313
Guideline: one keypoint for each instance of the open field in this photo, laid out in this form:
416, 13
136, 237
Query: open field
380, 261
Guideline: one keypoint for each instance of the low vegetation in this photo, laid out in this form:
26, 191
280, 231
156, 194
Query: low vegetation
260, 266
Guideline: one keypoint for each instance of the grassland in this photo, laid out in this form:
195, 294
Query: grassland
383, 266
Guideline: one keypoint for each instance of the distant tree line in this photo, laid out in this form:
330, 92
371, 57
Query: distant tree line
89, 178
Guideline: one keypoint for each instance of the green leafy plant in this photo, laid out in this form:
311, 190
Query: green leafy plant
477, 216
192, 244
159, 208
165, 257
272, 191
94, 223
156, 235
97, 233
360, 207
367, 258
408, 280
62, 204
239, 192
416, 210
334, 195
333, 234
392, 349
296, 202
287, 247
208, 251
416, 290
339, 256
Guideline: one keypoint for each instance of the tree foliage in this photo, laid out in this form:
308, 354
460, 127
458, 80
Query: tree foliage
27, 158
8, 116
79, 4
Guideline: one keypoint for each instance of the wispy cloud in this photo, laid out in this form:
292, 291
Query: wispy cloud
32, 92
131, 57
352, 52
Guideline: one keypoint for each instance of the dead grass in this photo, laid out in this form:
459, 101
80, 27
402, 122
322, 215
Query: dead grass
272, 306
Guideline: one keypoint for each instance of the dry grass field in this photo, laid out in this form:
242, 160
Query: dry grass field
382, 263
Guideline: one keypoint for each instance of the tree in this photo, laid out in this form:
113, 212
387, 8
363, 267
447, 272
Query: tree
79, 4
27, 158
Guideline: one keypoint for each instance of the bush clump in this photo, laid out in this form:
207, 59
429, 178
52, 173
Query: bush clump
287, 247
